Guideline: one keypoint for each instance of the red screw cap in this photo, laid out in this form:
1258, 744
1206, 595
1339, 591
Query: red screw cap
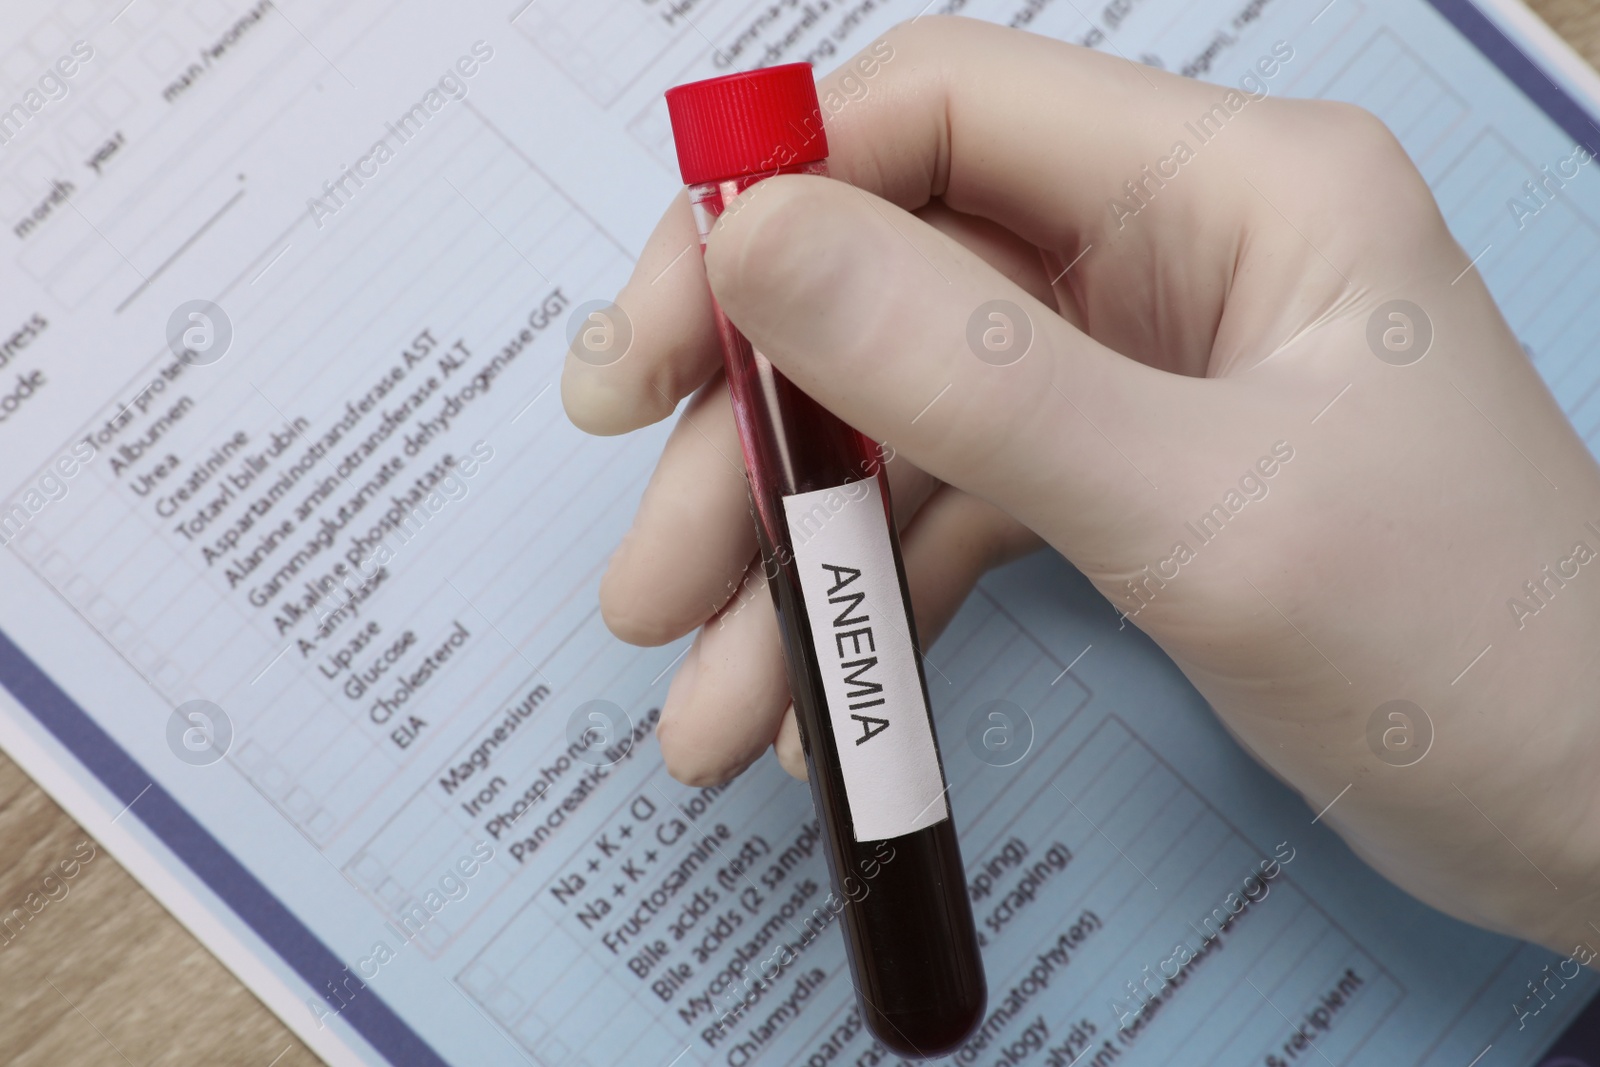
747, 123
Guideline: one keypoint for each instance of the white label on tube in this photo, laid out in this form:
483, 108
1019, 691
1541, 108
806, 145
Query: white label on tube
881, 726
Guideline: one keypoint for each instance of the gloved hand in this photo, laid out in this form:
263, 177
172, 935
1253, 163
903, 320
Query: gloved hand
1317, 500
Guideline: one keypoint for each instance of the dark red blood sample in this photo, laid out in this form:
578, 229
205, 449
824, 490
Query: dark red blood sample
821, 500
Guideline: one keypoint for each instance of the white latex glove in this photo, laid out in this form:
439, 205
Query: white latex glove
1212, 351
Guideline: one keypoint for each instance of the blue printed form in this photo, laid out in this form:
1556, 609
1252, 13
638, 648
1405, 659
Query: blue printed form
300, 584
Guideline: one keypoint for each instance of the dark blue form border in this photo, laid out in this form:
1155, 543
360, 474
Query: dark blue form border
1524, 73
264, 913
208, 859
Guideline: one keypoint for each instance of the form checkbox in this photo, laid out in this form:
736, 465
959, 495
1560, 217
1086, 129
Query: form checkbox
163, 56
210, 14
78, 13
112, 101
48, 41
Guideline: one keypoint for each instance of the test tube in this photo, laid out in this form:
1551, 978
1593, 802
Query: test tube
820, 497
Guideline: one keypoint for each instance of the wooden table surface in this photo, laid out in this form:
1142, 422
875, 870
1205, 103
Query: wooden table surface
106, 976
